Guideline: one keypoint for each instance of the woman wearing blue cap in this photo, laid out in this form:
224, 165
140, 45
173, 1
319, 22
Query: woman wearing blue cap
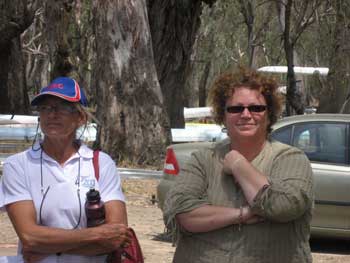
44, 188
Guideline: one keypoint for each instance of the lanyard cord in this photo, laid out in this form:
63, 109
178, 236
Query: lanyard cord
77, 182
78, 192
35, 139
42, 187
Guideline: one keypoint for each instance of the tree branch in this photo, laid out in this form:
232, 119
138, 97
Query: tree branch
209, 2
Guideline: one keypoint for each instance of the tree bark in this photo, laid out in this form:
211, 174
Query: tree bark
336, 91
246, 8
295, 101
15, 17
174, 24
69, 41
202, 91
59, 20
134, 127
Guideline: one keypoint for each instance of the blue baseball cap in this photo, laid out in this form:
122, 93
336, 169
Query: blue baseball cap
65, 88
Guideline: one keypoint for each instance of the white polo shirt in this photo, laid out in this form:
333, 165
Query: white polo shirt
23, 180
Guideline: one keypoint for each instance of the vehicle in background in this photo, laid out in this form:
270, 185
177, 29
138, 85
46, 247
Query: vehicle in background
199, 127
297, 70
325, 140
198, 132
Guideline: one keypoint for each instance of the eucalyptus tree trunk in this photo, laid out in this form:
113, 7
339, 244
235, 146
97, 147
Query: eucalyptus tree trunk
174, 24
294, 102
203, 82
295, 16
15, 17
68, 38
59, 15
247, 10
336, 93
134, 126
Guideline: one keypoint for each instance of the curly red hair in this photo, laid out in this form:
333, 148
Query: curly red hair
225, 85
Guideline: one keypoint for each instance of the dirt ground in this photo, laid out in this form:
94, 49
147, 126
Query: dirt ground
146, 219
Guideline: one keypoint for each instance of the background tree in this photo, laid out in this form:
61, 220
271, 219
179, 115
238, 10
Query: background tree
134, 126
35, 51
112, 58
231, 33
58, 43
15, 17
174, 24
251, 11
69, 40
295, 17
213, 51
337, 86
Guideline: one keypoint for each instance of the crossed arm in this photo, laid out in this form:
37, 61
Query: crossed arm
209, 217
39, 241
285, 200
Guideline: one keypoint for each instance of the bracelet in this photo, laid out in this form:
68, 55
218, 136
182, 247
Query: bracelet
240, 218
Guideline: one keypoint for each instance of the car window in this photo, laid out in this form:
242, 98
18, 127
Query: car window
322, 142
306, 138
283, 134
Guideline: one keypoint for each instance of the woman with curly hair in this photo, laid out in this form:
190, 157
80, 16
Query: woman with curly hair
246, 198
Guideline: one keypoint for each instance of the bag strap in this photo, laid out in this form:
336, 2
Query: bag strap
96, 165
132, 253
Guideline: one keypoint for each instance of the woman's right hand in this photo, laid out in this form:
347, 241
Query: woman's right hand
113, 235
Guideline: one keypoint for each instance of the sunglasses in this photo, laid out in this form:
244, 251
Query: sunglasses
60, 108
251, 108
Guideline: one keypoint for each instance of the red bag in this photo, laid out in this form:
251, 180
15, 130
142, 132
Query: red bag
131, 253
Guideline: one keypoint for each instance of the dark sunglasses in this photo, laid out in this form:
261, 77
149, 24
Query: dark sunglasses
251, 108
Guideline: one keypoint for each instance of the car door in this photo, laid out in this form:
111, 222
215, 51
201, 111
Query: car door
326, 145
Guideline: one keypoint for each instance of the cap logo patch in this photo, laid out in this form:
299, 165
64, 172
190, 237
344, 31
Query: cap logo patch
56, 86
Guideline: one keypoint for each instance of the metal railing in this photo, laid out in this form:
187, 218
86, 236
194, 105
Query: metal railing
130, 173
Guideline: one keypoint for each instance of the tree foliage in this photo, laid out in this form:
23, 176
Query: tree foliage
255, 35
142, 61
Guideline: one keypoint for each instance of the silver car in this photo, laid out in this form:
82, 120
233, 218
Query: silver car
325, 139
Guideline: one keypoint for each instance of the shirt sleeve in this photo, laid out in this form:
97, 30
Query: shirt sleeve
109, 181
188, 192
290, 193
13, 184
2, 208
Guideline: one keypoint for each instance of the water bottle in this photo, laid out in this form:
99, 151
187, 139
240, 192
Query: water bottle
94, 208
